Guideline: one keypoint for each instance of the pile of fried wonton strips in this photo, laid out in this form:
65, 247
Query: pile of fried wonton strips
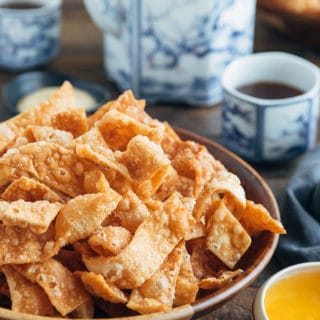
114, 209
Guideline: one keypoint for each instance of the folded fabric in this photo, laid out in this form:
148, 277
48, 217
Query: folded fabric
300, 213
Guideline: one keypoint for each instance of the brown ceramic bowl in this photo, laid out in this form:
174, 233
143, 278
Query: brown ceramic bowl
253, 262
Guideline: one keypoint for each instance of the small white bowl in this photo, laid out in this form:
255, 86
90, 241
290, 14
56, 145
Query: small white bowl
29, 37
258, 307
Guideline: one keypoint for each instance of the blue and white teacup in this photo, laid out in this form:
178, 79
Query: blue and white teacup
29, 33
173, 50
269, 129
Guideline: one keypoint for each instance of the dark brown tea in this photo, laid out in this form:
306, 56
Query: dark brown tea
21, 5
270, 90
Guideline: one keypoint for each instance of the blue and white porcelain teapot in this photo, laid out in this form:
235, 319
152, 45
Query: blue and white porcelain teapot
173, 50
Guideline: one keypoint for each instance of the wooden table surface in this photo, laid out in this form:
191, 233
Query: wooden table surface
81, 56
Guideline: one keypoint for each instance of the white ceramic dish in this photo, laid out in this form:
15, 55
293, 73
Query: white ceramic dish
259, 312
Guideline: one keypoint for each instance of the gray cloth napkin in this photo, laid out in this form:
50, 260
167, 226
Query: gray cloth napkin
300, 213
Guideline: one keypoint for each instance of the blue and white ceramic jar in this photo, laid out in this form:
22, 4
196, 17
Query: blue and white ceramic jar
173, 50
29, 37
270, 130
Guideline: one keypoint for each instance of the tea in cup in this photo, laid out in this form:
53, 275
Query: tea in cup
270, 106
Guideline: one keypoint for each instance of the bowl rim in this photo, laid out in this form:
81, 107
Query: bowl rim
215, 299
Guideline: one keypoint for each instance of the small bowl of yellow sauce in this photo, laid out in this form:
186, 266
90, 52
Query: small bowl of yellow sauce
30, 88
292, 293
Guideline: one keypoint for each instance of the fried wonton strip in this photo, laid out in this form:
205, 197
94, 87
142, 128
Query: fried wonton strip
6, 174
146, 163
197, 231
256, 218
23, 246
61, 100
45, 133
154, 239
192, 161
226, 238
170, 183
56, 166
222, 278
92, 146
26, 296
125, 103
129, 105
110, 240
187, 284
30, 190
157, 293
94, 181
36, 216
199, 259
65, 291
99, 287
223, 182
118, 129
83, 214
131, 211
74, 121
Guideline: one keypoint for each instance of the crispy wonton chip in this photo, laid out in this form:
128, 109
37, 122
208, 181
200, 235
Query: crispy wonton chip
256, 218
74, 121
154, 239
34, 215
26, 296
45, 133
222, 278
83, 215
226, 238
146, 163
157, 293
118, 129
131, 211
224, 182
92, 146
125, 103
24, 246
99, 287
187, 284
110, 240
30, 190
56, 166
65, 291
191, 160
61, 100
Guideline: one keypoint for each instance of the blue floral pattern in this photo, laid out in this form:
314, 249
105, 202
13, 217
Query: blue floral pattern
29, 40
175, 50
267, 133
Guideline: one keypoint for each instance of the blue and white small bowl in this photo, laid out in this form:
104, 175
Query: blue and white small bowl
173, 51
270, 130
29, 37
